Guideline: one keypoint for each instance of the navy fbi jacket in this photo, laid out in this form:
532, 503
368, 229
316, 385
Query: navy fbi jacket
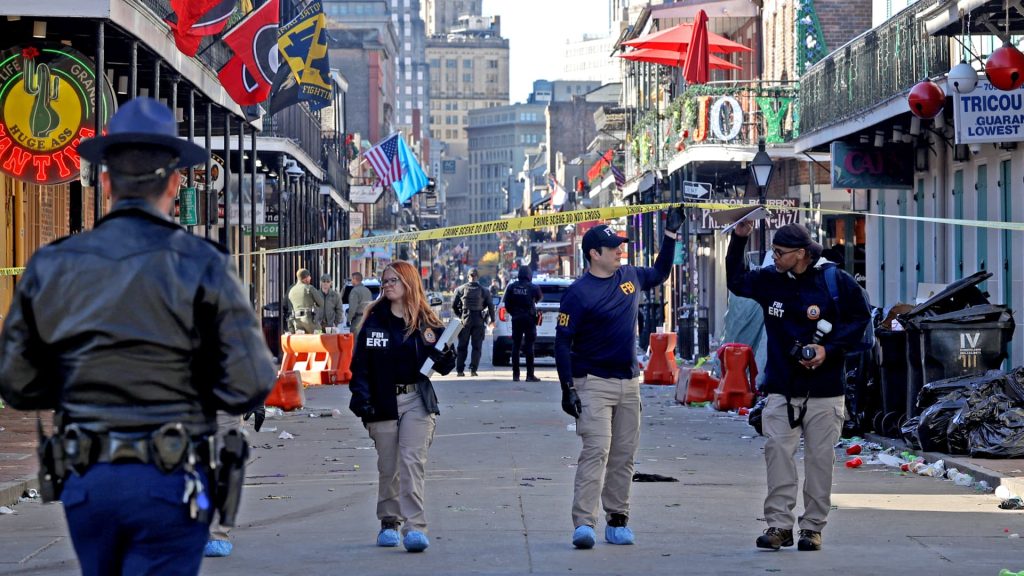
596, 332
792, 305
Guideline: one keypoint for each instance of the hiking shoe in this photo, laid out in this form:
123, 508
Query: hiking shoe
532, 379
775, 538
415, 541
388, 536
217, 549
583, 537
809, 541
462, 374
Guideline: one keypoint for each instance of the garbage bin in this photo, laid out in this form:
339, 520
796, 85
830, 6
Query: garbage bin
686, 318
954, 333
272, 328
893, 360
703, 334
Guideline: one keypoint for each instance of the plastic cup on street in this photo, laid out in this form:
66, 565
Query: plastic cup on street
853, 450
854, 463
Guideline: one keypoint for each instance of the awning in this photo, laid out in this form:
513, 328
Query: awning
543, 200
271, 144
639, 184
944, 18
733, 153
883, 111
328, 190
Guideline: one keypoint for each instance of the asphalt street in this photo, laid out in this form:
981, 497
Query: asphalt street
499, 492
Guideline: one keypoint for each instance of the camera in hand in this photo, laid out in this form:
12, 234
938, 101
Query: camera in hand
806, 352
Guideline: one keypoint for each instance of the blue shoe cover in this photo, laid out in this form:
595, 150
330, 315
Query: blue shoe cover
583, 537
217, 549
622, 535
388, 538
416, 541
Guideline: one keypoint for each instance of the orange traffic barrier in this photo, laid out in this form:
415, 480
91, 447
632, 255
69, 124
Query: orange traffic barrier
288, 393
702, 387
320, 358
739, 372
661, 368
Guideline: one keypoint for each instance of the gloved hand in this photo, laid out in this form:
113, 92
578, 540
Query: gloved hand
674, 219
571, 404
258, 414
362, 408
444, 362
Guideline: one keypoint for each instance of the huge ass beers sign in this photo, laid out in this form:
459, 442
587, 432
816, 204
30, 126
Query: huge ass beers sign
47, 106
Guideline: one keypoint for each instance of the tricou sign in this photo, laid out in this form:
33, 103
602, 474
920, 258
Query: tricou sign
47, 98
989, 114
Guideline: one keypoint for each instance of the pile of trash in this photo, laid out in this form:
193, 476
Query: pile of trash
981, 415
869, 453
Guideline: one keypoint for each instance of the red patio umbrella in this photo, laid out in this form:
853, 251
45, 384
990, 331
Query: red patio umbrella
677, 59
696, 68
678, 38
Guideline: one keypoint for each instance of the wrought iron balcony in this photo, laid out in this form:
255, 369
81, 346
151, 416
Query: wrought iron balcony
870, 69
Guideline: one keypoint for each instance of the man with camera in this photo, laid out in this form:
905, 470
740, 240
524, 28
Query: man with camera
808, 334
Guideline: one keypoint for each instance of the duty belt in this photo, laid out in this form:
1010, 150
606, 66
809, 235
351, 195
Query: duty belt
166, 448
405, 388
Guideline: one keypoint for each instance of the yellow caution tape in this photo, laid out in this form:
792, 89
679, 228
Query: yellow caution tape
11, 271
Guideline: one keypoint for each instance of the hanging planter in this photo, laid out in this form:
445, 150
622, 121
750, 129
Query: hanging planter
962, 78
1005, 67
926, 99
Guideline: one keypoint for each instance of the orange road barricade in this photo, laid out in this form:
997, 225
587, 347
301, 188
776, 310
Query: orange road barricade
661, 368
288, 393
321, 359
701, 387
739, 373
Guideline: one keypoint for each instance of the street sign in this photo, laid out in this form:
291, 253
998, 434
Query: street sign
187, 207
261, 230
696, 189
364, 194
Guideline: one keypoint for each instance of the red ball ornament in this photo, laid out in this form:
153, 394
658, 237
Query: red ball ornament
1005, 67
926, 99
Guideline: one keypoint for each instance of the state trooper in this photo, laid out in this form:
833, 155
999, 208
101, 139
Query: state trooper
305, 301
135, 388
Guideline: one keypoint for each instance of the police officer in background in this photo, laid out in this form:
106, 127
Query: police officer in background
331, 314
595, 353
136, 387
521, 299
473, 304
305, 301
808, 336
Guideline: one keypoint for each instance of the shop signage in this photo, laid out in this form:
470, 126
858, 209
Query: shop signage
47, 97
355, 225
187, 212
776, 218
989, 114
364, 194
868, 167
448, 166
261, 230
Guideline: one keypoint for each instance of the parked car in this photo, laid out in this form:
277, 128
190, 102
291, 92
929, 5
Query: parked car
552, 288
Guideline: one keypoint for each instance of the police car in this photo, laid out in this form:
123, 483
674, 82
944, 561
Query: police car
552, 288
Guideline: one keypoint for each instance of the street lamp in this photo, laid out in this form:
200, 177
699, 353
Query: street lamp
761, 169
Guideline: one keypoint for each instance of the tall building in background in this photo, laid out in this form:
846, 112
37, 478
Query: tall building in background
590, 58
441, 15
412, 76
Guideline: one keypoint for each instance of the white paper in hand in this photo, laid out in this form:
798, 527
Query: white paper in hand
759, 214
451, 332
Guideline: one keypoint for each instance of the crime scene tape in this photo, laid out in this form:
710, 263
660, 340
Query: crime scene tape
11, 271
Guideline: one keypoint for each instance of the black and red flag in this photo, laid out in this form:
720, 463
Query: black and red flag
249, 75
191, 20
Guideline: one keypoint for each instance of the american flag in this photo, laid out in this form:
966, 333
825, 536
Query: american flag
383, 157
620, 178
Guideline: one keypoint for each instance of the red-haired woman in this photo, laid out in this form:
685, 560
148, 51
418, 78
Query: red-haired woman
397, 403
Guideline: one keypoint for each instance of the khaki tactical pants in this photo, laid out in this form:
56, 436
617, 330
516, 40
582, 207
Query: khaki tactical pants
609, 426
821, 428
401, 462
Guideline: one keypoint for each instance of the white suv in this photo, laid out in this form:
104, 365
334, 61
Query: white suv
552, 288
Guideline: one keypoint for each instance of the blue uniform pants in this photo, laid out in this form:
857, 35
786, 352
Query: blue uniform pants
129, 519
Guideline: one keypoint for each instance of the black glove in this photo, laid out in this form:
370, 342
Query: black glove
674, 219
362, 409
571, 402
444, 362
258, 415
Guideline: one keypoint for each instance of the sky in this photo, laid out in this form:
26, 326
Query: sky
537, 31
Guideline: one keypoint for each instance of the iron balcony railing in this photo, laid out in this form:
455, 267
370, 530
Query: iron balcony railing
870, 69
300, 125
212, 52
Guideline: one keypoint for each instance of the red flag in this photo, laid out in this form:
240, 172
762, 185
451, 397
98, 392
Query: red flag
185, 13
241, 85
249, 75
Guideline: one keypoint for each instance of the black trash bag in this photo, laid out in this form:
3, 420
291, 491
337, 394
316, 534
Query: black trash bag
932, 430
983, 405
754, 417
909, 430
931, 392
999, 437
1013, 385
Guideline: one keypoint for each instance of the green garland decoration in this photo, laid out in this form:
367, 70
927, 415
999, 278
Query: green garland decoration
810, 40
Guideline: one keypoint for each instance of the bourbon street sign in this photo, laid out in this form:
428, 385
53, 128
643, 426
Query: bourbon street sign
47, 97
